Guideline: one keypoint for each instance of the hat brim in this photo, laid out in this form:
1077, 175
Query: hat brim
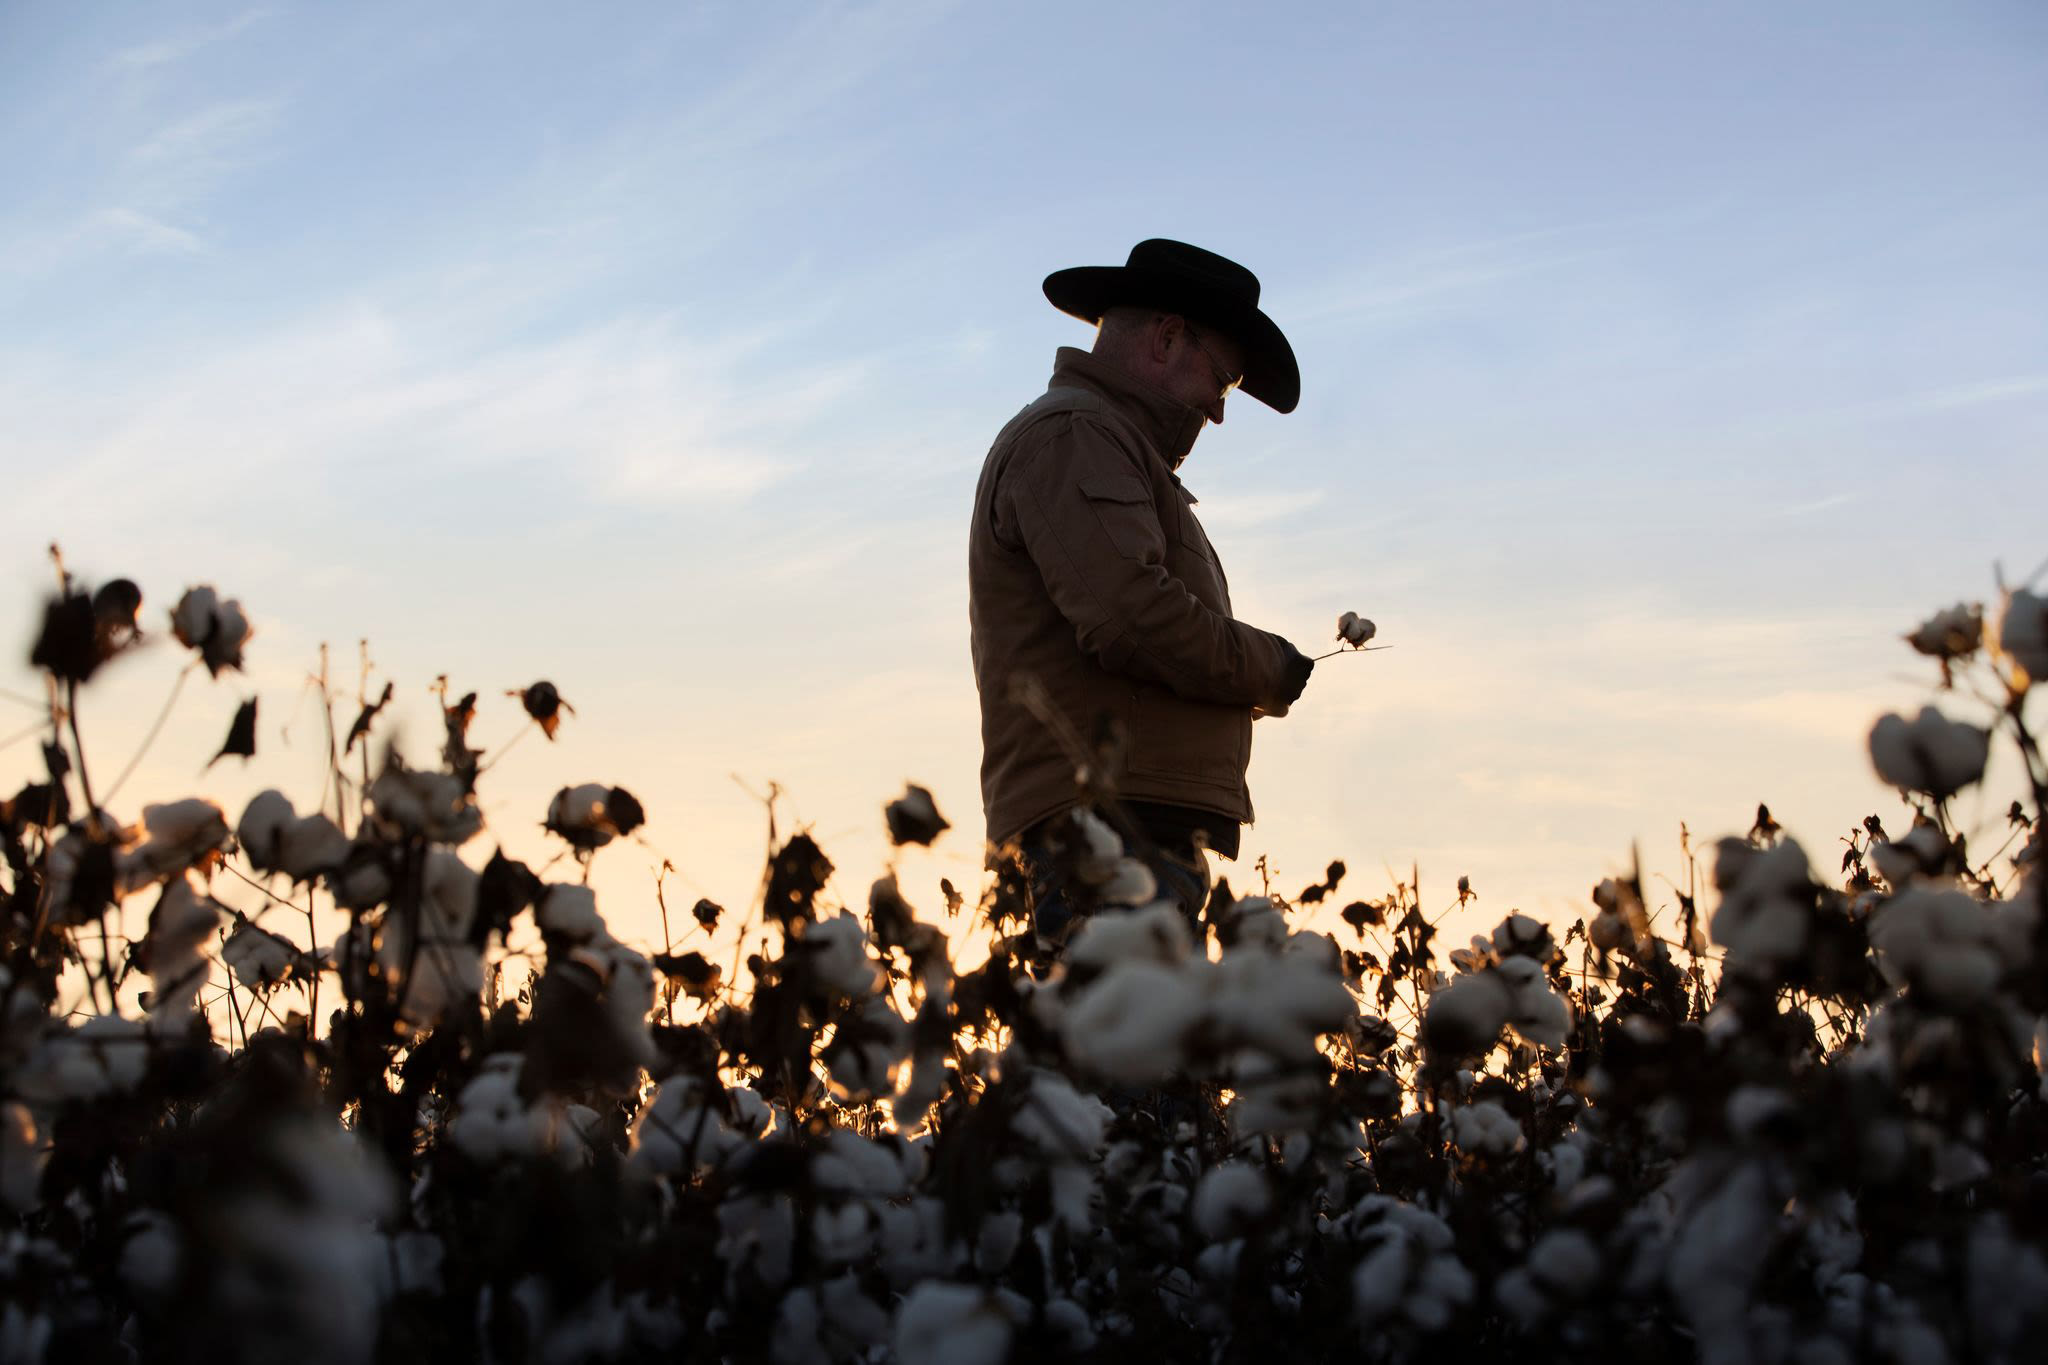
1270, 372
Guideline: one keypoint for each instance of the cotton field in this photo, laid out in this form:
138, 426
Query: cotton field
1792, 1113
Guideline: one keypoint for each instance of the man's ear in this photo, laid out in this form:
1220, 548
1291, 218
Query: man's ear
1166, 333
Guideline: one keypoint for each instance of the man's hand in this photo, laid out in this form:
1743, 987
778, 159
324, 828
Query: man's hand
1299, 666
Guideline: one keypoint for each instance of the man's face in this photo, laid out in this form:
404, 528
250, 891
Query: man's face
1204, 368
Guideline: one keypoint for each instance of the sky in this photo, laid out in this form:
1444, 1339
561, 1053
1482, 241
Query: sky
1661, 365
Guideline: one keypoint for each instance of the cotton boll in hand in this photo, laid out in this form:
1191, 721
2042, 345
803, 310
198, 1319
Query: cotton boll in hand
1355, 630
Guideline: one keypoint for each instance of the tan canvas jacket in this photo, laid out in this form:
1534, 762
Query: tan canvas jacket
1088, 571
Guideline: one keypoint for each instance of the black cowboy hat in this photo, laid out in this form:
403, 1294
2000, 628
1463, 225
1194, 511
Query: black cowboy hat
1202, 287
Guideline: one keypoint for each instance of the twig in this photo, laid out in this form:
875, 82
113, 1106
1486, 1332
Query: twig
92, 807
155, 729
20, 735
507, 749
1349, 649
29, 702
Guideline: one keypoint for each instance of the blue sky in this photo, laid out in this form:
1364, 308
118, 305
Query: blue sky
1661, 364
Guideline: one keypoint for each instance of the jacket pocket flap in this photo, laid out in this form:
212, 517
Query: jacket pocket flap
1115, 488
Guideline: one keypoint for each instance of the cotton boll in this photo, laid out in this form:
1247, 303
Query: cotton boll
2023, 632
570, 911
1536, 1012
492, 1123
1486, 1128
448, 899
997, 1241
174, 952
1565, 1261
1952, 633
1409, 1268
1070, 1322
1355, 630
431, 805
849, 1321
1127, 1025
837, 951
1930, 754
578, 815
361, 880
1942, 944
842, 1235
1129, 882
1520, 936
1058, 1121
1096, 846
1273, 1098
1156, 933
1277, 1002
258, 958
951, 1324
871, 1043
911, 1241
177, 834
1752, 1109
217, 629
849, 1164
680, 1130
751, 1115
1712, 1270
1767, 898
1467, 1015
1256, 921
151, 1249
311, 845
1230, 1198
1921, 853
261, 832
1073, 1189
628, 988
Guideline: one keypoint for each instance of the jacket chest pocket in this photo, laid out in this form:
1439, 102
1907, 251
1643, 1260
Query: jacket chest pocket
1122, 507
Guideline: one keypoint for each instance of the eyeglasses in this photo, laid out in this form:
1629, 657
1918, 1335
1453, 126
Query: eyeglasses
1216, 367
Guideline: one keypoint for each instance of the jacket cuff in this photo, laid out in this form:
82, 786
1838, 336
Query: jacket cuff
1294, 672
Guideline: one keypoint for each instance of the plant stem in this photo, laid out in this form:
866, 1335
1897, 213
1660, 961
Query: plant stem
1349, 649
507, 749
92, 808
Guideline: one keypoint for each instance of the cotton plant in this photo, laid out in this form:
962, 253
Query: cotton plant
1193, 1138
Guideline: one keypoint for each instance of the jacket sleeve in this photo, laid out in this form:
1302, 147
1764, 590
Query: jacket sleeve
1078, 502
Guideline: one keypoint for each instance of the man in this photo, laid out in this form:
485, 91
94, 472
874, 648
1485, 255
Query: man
1097, 603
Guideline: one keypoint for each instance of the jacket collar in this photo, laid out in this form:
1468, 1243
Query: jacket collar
1169, 424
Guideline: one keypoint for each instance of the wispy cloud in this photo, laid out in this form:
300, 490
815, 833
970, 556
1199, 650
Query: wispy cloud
1974, 395
165, 51
207, 136
145, 233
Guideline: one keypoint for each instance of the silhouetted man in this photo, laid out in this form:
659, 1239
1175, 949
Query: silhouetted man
1091, 576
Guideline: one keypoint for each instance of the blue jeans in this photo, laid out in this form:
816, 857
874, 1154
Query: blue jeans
1182, 880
